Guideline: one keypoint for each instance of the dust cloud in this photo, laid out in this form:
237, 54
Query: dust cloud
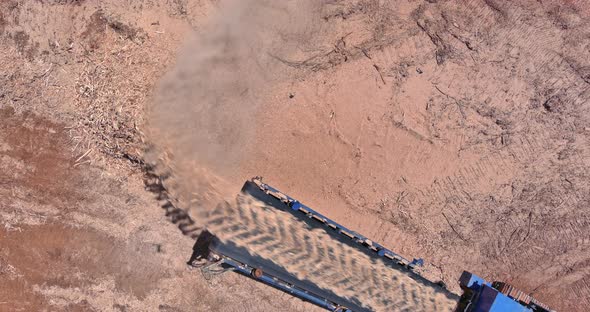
204, 113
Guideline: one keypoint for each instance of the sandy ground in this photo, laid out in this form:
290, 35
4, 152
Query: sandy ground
79, 232
453, 132
85, 238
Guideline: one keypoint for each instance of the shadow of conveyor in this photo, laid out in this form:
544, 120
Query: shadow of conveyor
201, 249
154, 184
346, 272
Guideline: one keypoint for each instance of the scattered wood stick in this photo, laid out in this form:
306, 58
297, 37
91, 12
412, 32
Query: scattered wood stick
84, 155
453, 228
379, 71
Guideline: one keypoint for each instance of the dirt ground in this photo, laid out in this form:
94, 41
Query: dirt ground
85, 238
453, 131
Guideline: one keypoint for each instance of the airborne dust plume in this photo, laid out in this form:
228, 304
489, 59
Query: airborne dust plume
204, 112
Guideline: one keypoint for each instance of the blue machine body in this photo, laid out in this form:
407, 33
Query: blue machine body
490, 300
481, 296
226, 255
379, 249
286, 287
478, 294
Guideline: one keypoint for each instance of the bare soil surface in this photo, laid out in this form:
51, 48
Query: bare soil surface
462, 138
454, 131
83, 238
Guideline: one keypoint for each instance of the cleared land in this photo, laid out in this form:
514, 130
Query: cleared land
456, 132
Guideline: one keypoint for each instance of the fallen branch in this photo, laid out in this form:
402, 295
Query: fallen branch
83, 155
379, 71
453, 228
459, 105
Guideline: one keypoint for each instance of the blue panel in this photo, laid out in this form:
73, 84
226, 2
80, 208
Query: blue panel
486, 299
471, 280
490, 300
505, 303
